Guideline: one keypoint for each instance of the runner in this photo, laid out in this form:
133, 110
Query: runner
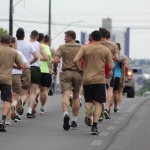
8, 56
110, 77
70, 78
35, 73
28, 50
44, 67
95, 57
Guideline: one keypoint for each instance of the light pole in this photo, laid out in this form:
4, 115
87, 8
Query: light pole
11, 11
67, 27
49, 21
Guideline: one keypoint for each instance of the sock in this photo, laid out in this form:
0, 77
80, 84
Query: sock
3, 118
74, 118
65, 113
94, 124
29, 110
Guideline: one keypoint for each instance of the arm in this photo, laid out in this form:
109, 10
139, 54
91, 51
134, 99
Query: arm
42, 52
56, 61
111, 66
76, 63
116, 57
35, 57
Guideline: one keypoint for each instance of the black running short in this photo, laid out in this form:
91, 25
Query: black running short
6, 93
116, 83
96, 92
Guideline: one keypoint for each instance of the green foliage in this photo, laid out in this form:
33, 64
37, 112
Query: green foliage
2, 31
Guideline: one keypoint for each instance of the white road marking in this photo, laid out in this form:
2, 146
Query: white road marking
121, 118
111, 128
132, 107
116, 122
104, 134
96, 142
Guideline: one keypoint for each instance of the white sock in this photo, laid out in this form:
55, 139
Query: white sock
29, 110
74, 119
65, 113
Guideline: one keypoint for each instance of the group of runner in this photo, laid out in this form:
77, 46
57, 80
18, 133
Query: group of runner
98, 67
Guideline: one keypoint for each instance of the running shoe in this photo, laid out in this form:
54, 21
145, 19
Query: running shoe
17, 119
116, 111
73, 125
13, 112
94, 130
80, 99
71, 101
101, 118
34, 108
2, 127
66, 125
30, 115
88, 119
107, 114
20, 108
42, 110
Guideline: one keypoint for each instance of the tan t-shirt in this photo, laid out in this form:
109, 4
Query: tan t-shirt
95, 57
68, 51
8, 56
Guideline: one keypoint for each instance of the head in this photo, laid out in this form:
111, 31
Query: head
20, 34
41, 38
90, 37
34, 35
13, 43
77, 41
47, 39
119, 46
5, 39
70, 36
108, 35
96, 35
103, 32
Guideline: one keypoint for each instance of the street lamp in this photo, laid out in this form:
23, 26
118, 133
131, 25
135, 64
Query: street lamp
11, 11
67, 27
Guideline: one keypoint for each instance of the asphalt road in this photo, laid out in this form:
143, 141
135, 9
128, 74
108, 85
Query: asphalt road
128, 130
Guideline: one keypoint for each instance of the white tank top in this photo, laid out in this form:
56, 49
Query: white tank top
37, 47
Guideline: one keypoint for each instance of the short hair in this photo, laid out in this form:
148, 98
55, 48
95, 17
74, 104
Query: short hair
119, 45
41, 37
34, 34
90, 37
46, 38
96, 35
20, 34
77, 41
13, 40
108, 35
103, 32
71, 33
5, 39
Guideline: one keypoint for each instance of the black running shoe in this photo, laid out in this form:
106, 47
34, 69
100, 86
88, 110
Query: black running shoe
30, 115
73, 125
94, 130
2, 127
17, 119
107, 114
116, 111
66, 125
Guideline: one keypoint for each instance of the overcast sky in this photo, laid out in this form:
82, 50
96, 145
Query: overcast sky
83, 15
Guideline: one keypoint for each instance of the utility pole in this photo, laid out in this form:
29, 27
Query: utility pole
11, 18
49, 21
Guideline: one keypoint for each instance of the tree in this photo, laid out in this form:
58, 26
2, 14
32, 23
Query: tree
2, 31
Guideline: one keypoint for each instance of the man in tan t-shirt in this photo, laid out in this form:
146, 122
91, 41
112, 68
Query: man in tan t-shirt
96, 56
70, 78
8, 56
110, 77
